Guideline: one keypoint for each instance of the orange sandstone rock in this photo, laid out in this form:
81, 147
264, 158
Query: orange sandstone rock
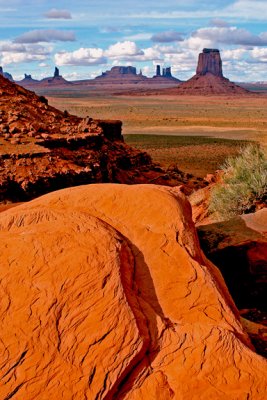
107, 295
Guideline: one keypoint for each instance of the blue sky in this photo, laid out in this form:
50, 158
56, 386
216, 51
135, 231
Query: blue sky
84, 38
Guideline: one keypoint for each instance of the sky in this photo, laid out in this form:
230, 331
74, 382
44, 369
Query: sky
85, 37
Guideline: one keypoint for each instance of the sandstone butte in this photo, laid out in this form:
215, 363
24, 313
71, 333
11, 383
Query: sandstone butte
107, 295
209, 78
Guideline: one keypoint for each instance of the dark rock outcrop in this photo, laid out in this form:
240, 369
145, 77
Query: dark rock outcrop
56, 73
239, 248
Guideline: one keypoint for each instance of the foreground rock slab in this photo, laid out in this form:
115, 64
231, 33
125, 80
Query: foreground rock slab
106, 295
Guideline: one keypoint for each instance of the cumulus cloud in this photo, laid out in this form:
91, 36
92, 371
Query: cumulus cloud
82, 56
11, 53
233, 54
58, 14
231, 35
123, 50
45, 35
259, 54
15, 58
166, 37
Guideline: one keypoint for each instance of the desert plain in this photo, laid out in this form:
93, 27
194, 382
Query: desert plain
195, 132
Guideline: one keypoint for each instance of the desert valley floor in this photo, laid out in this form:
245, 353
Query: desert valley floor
207, 129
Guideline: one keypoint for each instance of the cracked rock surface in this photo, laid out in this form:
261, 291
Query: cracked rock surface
107, 295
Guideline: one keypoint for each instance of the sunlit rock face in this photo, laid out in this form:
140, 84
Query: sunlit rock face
107, 295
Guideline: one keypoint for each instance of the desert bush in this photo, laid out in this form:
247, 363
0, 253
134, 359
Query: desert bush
244, 182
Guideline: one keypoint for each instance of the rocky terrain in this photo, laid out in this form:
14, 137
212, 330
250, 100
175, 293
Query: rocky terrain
43, 149
113, 299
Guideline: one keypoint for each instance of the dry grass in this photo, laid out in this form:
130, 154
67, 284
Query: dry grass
198, 155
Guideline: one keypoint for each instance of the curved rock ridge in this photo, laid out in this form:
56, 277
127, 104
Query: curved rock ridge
107, 295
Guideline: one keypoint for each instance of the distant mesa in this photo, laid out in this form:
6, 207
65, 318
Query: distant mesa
121, 74
6, 74
209, 77
117, 75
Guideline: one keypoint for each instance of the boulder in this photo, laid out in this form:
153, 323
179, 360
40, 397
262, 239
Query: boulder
239, 248
113, 299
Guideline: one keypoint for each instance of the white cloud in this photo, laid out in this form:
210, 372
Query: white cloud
9, 47
139, 36
123, 49
233, 54
58, 14
45, 35
14, 53
259, 54
231, 35
247, 9
15, 58
82, 56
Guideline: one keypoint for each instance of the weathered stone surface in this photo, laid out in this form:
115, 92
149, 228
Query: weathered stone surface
114, 300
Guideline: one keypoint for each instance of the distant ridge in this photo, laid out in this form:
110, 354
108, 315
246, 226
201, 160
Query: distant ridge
117, 75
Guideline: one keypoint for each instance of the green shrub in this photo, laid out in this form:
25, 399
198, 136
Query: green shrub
244, 181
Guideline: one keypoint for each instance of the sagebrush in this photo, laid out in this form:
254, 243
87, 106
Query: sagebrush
243, 183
